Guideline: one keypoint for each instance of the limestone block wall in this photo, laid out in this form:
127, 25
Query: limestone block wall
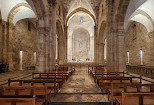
24, 40
1, 42
134, 45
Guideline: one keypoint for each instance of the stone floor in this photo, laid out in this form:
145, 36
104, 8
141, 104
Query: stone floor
20, 74
80, 87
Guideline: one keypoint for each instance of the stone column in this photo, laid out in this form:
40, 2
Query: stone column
5, 43
52, 34
110, 53
10, 31
65, 39
151, 55
121, 49
95, 45
101, 53
40, 52
47, 48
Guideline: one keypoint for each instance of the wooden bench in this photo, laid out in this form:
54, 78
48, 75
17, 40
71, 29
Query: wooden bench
106, 81
19, 100
99, 76
21, 95
96, 67
58, 77
70, 68
135, 99
64, 75
51, 85
117, 88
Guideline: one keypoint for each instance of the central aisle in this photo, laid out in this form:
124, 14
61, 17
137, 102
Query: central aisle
80, 87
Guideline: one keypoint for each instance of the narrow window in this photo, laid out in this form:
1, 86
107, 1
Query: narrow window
20, 56
102, 9
81, 19
127, 56
105, 50
29, 26
134, 31
141, 56
56, 46
34, 58
59, 11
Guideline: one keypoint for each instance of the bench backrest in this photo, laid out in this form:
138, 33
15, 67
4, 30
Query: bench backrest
121, 79
21, 91
18, 100
46, 75
139, 98
127, 86
110, 73
31, 81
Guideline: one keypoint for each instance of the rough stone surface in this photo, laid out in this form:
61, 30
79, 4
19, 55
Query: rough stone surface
24, 40
134, 45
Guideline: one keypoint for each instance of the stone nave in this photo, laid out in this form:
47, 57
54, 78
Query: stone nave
76, 52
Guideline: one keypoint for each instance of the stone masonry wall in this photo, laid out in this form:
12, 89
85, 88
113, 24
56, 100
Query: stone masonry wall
0, 42
24, 40
134, 45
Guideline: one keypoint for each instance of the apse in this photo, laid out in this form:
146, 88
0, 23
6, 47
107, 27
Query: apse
80, 38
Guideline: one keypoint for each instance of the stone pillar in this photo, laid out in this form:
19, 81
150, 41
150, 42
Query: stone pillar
47, 48
5, 43
101, 53
52, 34
95, 45
65, 39
10, 47
110, 53
151, 55
1, 41
40, 52
121, 49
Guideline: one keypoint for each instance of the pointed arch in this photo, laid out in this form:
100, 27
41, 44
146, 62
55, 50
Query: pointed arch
83, 10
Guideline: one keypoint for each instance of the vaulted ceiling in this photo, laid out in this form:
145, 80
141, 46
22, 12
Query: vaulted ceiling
93, 5
16, 10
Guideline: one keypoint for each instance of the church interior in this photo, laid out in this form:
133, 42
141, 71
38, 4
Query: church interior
76, 52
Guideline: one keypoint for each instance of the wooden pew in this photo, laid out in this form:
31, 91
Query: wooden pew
51, 85
58, 77
106, 81
94, 68
70, 68
21, 95
99, 76
135, 93
19, 100
135, 99
118, 88
64, 75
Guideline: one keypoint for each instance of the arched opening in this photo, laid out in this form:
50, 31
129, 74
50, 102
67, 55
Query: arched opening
101, 43
80, 38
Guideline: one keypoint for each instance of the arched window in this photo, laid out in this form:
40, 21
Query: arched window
105, 50
102, 9
34, 58
141, 56
59, 11
81, 19
127, 56
20, 56
134, 31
